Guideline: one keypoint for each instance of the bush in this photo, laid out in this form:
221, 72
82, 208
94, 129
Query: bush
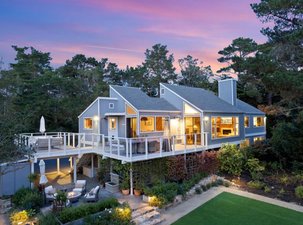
208, 185
164, 193
74, 213
198, 190
26, 198
255, 184
231, 159
255, 168
267, 189
204, 188
299, 191
48, 219
123, 214
220, 181
226, 183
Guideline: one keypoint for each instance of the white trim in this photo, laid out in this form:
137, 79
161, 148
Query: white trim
255, 134
123, 97
114, 114
180, 97
98, 98
146, 110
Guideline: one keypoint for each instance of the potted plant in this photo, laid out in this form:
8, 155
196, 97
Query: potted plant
138, 188
124, 186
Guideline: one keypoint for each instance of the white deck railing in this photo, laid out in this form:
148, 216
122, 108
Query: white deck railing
127, 149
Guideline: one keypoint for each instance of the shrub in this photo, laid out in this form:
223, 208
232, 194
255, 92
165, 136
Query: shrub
231, 159
299, 191
220, 181
19, 217
255, 184
74, 213
26, 198
48, 219
123, 214
267, 189
208, 185
204, 188
198, 190
226, 183
281, 192
255, 168
164, 193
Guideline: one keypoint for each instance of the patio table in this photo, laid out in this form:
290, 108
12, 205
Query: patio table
73, 196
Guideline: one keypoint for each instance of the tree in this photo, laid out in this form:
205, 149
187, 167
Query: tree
193, 74
158, 68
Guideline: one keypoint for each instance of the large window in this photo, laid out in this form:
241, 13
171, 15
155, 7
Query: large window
113, 124
88, 123
189, 110
151, 123
223, 127
258, 139
258, 121
246, 121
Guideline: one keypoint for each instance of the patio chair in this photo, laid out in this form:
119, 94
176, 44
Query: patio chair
93, 195
80, 186
49, 193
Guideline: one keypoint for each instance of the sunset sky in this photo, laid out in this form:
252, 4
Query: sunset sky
122, 30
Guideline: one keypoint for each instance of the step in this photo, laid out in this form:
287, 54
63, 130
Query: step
146, 217
141, 211
155, 221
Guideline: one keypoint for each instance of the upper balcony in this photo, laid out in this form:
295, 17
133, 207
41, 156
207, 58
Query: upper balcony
64, 144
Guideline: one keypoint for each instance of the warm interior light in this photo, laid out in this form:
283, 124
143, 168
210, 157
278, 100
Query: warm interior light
206, 118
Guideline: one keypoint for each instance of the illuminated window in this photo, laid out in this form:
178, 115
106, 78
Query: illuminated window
147, 124
130, 110
258, 121
189, 110
258, 139
160, 123
245, 143
88, 123
246, 121
113, 124
223, 127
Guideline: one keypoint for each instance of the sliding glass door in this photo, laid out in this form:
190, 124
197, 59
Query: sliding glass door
192, 127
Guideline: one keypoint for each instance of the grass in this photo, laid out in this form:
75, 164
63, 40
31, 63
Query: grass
230, 209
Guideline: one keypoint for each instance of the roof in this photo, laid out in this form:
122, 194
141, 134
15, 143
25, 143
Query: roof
141, 101
88, 107
247, 108
204, 100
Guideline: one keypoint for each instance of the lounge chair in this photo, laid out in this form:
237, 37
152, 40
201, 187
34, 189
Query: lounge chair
49, 193
93, 195
80, 186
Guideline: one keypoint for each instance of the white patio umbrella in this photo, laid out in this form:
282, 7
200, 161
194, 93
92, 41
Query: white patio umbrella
43, 179
42, 125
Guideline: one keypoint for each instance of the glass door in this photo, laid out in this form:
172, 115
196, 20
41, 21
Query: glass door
192, 128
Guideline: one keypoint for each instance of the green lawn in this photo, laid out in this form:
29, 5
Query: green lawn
230, 209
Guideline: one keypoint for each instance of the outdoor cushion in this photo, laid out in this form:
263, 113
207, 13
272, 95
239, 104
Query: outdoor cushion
79, 185
91, 192
96, 189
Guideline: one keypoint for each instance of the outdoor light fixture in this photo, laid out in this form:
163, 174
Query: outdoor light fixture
96, 118
206, 118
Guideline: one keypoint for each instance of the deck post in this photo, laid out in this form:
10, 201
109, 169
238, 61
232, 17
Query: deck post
146, 148
84, 144
70, 162
64, 142
74, 145
130, 148
49, 145
118, 141
58, 165
103, 143
75, 169
131, 179
174, 144
68, 139
195, 136
92, 159
161, 143
32, 171
126, 144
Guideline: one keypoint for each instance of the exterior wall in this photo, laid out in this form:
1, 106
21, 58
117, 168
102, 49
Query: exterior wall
251, 138
228, 91
251, 129
207, 128
172, 98
121, 126
14, 178
91, 112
